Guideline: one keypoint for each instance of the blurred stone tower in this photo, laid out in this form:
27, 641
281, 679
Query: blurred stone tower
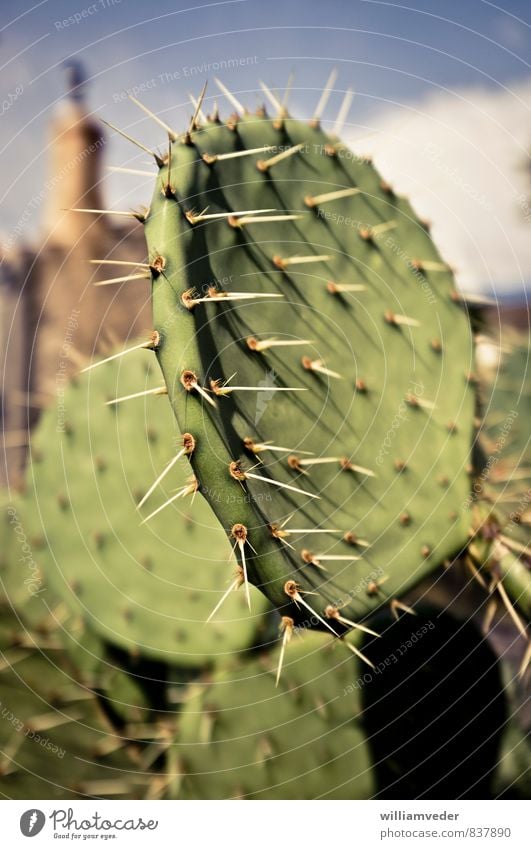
61, 317
15, 353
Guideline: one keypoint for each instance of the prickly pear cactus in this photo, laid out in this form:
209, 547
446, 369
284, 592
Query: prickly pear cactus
313, 344
501, 493
146, 588
507, 404
55, 739
237, 740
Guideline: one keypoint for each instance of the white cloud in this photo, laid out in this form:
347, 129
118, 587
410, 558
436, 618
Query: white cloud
462, 157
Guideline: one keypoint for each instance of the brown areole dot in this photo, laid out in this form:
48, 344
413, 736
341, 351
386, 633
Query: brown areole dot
236, 471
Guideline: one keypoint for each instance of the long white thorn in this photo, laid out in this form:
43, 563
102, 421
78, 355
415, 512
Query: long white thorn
316, 200
397, 605
285, 262
357, 652
197, 107
117, 169
150, 344
106, 212
298, 599
241, 545
358, 626
167, 468
257, 447
235, 585
399, 320
510, 609
266, 164
280, 485
338, 288
210, 158
230, 97
172, 134
319, 367
224, 389
195, 218
158, 390
323, 100
197, 110
190, 382
204, 394
189, 489
317, 461
125, 279
473, 299
348, 466
511, 544
286, 626
190, 301
430, 265
131, 139
187, 449
274, 101
119, 262
263, 219
264, 344
239, 533
476, 573
353, 539
376, 229
332, 612
334, 557
343, 112
415, 401
227, 390
490, 613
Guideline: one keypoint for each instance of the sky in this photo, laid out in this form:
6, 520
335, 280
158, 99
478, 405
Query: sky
442, 99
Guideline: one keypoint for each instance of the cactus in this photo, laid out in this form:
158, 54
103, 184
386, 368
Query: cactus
237, 740
55, 740
147, 589
507, 405
314, 345
502, 490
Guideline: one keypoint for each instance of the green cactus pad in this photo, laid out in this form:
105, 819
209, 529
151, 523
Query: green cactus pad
55, 740
388, 401
240, 738
145, 588
507, 404
502, 491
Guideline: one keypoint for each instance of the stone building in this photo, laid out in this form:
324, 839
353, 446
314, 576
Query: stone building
52, 317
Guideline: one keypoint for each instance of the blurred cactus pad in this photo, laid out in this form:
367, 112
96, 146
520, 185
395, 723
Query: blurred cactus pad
146, 588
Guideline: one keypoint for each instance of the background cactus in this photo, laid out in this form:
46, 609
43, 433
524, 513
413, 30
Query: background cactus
304, 740
55, 738
136, 586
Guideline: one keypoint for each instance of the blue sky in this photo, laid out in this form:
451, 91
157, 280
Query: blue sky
396, 56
